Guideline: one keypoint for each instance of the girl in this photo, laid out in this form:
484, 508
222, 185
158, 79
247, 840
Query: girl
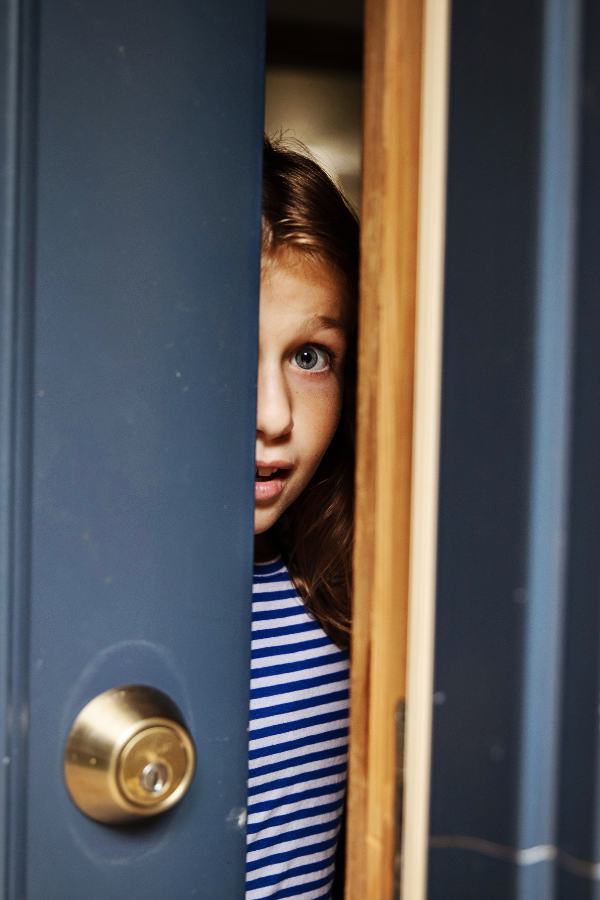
303, 530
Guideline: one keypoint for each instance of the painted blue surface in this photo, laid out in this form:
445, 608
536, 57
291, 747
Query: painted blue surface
551, 437
489, 305
147, 174
579, 810
470, 876
18, 93
516, 720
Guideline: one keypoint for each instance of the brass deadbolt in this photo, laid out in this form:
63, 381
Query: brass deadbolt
128, 755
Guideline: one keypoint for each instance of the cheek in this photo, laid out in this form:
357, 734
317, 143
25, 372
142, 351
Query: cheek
317, 420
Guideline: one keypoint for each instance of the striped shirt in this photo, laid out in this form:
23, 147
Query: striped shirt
298, 745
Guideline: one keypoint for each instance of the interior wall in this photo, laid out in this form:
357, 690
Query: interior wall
314, 83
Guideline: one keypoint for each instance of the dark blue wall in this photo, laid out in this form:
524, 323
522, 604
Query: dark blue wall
514, 803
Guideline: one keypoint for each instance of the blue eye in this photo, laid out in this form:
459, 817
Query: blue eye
311, 358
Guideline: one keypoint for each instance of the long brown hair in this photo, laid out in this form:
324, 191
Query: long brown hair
304, 212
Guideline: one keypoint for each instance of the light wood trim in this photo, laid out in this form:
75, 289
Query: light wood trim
426, 439
392, 105
403, 212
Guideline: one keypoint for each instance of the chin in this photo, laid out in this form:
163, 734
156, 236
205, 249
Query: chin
264, 522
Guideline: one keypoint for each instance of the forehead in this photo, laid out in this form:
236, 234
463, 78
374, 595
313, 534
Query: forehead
293, 285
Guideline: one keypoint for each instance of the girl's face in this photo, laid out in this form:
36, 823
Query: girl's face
302, 343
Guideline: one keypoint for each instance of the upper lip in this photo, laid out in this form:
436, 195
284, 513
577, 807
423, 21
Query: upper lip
275, 464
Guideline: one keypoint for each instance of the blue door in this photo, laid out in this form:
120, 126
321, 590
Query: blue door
131, 145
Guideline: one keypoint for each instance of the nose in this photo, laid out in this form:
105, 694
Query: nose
274, 403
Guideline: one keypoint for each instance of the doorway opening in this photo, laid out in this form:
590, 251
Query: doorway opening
313, 93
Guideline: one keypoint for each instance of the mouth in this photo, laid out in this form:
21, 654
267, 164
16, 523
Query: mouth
265, 473
269, 481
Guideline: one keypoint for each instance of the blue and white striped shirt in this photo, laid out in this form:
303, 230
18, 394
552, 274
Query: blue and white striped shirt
298, 745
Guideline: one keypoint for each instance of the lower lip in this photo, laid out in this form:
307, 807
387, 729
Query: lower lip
267, 490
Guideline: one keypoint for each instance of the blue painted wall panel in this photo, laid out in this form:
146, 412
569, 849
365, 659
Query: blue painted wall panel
486, 408
579, 833
517, 566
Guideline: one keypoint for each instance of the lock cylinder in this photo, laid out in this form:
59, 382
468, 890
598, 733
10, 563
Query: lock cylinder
128, 755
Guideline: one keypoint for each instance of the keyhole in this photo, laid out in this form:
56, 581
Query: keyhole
153, 777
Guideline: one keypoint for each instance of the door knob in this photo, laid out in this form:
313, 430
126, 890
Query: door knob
128, 755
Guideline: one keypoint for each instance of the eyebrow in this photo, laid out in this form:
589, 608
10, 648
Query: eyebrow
325, 322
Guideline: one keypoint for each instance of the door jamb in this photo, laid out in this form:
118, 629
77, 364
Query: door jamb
400, 329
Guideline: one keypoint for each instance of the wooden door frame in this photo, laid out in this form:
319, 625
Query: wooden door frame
400, 327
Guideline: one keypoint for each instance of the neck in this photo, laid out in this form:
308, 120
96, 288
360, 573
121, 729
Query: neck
263, 548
